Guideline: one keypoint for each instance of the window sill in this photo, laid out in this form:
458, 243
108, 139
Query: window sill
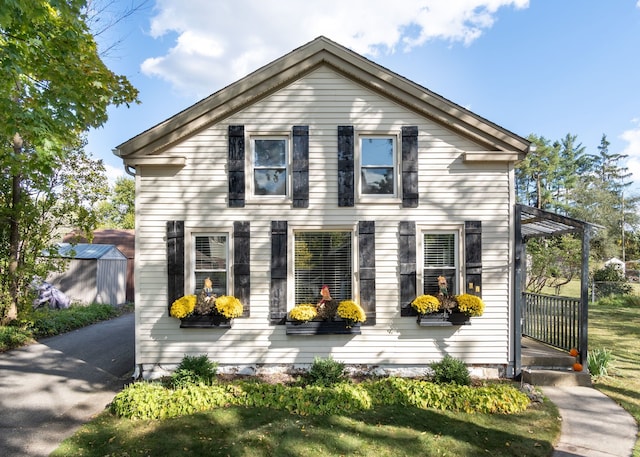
379, 200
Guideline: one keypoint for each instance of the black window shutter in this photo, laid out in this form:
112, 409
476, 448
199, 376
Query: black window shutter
410, 167
175, 260
236, 166
367, 266
346, 190
473, 257
301, 166
278, 291
242, 264
407, 266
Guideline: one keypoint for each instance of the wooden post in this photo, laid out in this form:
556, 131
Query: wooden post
518, 257
584, 296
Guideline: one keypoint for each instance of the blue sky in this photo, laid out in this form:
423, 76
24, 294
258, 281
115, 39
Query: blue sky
542, 66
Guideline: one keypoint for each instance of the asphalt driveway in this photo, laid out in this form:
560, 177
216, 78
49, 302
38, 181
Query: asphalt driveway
49, 389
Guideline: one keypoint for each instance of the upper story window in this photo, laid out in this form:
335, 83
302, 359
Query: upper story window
270, 162
378, 166
440, 257
211, 261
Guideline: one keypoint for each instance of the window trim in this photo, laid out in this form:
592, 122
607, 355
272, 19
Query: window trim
291, 292
190, 241
250, 167
396, 196
458, 232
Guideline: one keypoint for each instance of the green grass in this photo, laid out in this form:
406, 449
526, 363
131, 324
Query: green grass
383, 431
615, 325
47, 322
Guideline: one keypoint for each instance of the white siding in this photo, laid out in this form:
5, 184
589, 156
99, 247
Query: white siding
451, 192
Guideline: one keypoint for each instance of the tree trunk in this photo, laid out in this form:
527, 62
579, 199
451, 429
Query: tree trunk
14, 236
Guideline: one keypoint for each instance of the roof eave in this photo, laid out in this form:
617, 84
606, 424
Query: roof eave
301, 61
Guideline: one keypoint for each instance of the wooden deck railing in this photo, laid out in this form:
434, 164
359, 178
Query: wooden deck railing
552, 320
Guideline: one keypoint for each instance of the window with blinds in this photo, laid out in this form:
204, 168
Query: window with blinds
211, 261
323, 258
440, 259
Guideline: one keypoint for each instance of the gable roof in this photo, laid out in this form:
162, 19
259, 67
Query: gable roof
295, 65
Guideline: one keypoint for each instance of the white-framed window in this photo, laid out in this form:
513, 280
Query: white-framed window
323, 258
269, 166
440, 257
211, 260
378, 166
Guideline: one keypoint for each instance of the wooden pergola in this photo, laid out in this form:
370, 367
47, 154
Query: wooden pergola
536, 223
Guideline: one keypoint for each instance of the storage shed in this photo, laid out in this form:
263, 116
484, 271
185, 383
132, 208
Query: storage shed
96, 273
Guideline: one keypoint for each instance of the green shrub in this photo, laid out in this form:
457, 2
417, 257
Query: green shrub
153, 401
194, 370
598, 361
326, 372
13, 336
148, 400
49, 322
450, 370
610, 280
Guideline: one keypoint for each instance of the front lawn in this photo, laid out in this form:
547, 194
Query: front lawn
614, 324
381, 431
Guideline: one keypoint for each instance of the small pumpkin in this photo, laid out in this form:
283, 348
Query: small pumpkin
577, 366
573, 352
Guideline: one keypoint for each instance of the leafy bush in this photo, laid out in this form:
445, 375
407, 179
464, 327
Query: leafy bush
152, 401
326, 372
49, 322
450, 370
598, 361
13, 337
610, 280
194, 370
148, 400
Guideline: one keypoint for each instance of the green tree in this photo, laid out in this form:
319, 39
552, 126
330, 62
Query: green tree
119, 210
536, 174
51, 204
54, 86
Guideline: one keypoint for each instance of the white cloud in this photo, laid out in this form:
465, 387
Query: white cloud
113, 173
220, 42
632, 149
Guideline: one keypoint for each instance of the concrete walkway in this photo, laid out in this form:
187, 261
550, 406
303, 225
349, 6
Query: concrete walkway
49, 389
593, 425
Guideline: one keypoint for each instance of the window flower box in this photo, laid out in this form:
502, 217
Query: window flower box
209, 321
327, 317
328, 327
443, 319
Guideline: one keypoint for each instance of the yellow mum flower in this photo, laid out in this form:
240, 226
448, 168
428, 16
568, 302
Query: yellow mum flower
470, 305
426, 304
229, 306
351, 312
303, 313
183, 306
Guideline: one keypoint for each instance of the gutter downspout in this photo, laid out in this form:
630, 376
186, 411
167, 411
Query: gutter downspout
128, 169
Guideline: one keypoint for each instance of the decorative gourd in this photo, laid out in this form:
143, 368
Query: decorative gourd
577, 366
573, 352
